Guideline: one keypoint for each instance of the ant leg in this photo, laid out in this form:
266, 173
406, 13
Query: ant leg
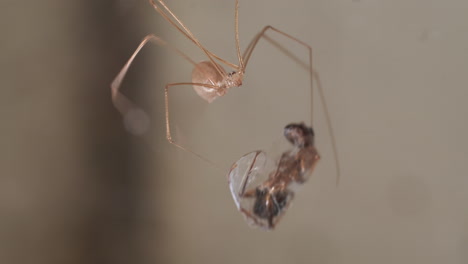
125, 106
168, 127
245, 180
250, 216
248, 53
248, 194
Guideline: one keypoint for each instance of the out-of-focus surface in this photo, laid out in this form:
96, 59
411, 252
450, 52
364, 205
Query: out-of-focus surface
76, 188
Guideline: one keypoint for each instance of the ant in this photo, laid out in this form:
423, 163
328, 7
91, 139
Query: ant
209, 79
264, 204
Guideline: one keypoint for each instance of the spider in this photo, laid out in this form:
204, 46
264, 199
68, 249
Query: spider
209, 79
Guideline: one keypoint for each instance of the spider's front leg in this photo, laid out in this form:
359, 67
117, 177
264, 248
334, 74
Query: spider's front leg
168, 125
135, 119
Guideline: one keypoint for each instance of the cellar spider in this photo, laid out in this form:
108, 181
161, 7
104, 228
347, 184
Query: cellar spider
209, 79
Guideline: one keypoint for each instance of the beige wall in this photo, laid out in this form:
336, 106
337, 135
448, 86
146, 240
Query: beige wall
76, 188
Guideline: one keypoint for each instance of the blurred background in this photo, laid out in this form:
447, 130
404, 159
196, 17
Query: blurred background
76, 187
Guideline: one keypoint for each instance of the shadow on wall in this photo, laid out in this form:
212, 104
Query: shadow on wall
71, 186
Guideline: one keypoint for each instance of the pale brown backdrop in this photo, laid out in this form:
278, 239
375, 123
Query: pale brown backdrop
75, 187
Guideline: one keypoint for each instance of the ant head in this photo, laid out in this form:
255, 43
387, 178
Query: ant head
299, 135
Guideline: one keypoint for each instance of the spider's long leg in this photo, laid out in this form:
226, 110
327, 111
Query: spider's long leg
330, 128
120, 101
254, 42
236, 21
168, 125
309, 68
166, 13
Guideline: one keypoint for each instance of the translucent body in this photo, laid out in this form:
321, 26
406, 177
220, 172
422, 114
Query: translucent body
206, 73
